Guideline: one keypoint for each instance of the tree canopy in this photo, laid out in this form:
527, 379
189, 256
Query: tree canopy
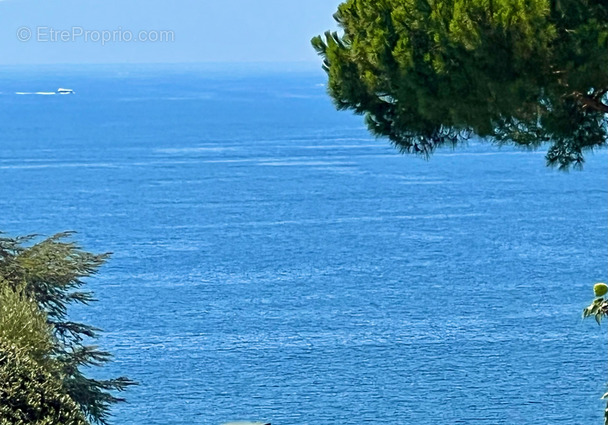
31, 391
30, 394
429, 73
46, 352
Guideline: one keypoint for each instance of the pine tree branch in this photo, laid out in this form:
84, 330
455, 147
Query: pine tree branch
589, 102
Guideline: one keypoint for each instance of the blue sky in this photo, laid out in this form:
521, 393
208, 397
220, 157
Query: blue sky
73, 31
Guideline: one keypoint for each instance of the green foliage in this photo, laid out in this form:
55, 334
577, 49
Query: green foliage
24, 325
31, 390
51, 273
428, 73
598, 309
30, 395
600, 289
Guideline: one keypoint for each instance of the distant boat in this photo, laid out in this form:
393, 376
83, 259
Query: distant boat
65, 91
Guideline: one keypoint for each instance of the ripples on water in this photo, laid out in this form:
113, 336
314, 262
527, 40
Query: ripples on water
273, 262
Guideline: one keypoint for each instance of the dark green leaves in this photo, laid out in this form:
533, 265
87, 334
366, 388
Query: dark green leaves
427, 72
49, 275
597, 309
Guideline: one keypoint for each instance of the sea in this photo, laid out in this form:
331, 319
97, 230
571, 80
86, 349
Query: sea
272, 261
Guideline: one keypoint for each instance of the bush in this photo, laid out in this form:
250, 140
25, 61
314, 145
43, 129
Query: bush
30, 395
38, 283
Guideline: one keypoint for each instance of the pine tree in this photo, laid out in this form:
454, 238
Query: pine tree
31, 391
428, 73
51, 273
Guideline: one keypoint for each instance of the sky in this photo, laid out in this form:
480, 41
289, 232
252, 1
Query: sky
161, 31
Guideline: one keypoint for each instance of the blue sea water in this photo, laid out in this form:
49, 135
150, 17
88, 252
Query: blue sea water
274, 262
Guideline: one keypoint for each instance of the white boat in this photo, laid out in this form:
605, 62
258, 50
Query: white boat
65, 91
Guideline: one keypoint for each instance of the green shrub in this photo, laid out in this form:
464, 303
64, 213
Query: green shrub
30, 395
38, 282
23, 325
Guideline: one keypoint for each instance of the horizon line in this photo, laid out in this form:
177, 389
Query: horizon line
267, 63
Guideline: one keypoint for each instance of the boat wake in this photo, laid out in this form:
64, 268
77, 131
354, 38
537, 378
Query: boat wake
47, 93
